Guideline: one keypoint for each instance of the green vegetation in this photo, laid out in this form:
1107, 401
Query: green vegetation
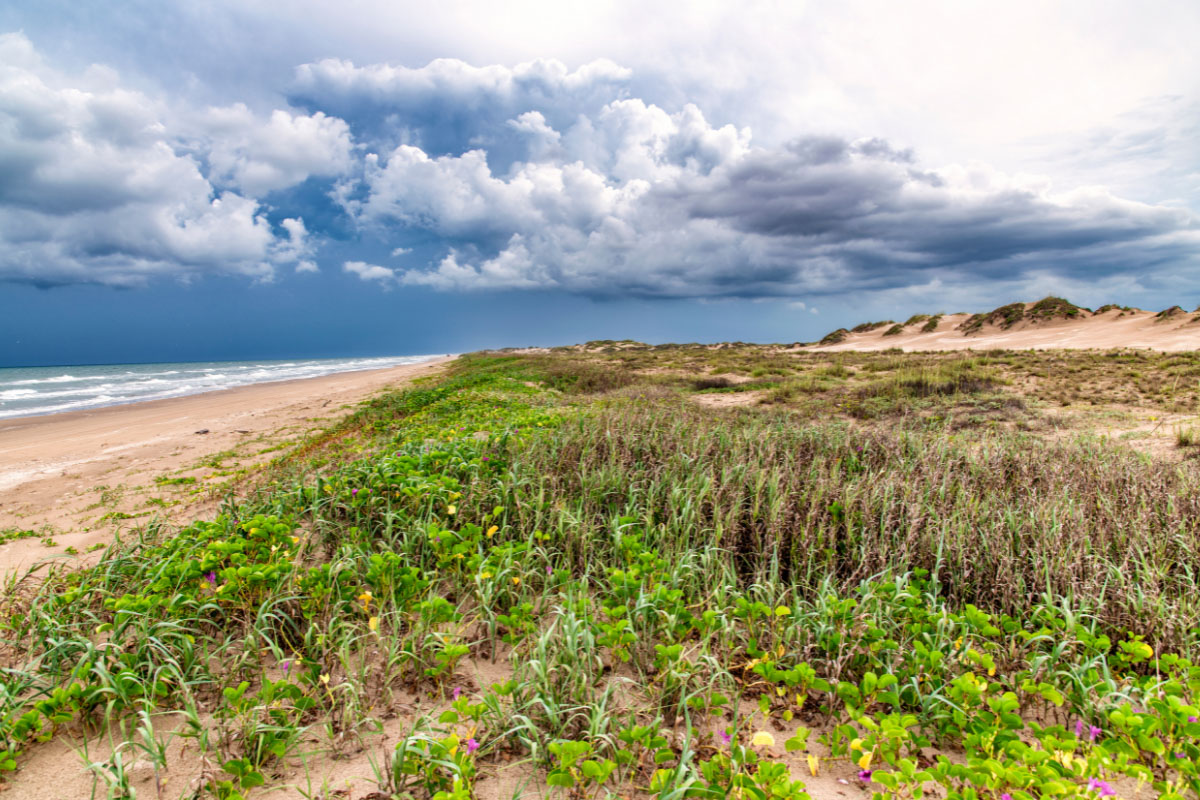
834, 337
867, 327
1007, 316
881, 574
163, 480
1169, 313
12, 534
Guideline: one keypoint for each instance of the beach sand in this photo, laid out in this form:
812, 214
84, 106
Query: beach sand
79, 477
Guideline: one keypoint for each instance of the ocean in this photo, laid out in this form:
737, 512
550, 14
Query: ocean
27, 391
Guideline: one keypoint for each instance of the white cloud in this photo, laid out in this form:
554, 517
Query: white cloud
631, 199
370, 272
259, 156
93, 189
297, 248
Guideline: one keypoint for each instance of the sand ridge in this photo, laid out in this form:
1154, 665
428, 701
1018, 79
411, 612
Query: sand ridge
1115, 328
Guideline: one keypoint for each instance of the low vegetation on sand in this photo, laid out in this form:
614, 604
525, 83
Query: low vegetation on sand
569, 575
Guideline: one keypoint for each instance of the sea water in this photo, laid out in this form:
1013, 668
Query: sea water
48, 390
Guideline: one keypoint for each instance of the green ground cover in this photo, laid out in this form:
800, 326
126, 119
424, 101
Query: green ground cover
681, 601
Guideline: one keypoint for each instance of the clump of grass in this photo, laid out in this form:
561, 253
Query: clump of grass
1169, 313
952, 378
835, 337
895, 330
867, 327
700, 384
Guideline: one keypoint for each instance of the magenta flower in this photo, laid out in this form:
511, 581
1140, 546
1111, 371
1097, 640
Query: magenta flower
486, 458
1078, 728
865, 775
472, 745
726, 737
287, 666
1103, 787
1191, 719
353, 492
549, 571
457, 692
211, 577
1006, 796
1093, 732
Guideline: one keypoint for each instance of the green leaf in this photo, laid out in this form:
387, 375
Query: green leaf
562, 779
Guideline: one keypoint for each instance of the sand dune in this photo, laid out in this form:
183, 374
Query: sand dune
1111, 329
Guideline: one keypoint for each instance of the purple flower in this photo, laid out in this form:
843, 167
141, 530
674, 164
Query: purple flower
353, 492
726, 737
1191, 719
457, 692
486, 458
211, 577
472, 745
1078, 728
1181, 755
865, 775
1103, 787
1006, 796
287, 665
1093, 732
549, 571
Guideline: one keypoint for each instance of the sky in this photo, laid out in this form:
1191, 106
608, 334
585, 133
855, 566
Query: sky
258, 179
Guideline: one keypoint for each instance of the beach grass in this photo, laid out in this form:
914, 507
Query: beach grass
568, 574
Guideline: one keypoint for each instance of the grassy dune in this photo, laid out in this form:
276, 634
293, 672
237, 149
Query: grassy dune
890, 574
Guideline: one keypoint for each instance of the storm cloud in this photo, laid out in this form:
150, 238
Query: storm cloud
102, 184
526, 177
627, 198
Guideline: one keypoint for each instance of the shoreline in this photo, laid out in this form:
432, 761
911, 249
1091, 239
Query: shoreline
429, 359
77, 477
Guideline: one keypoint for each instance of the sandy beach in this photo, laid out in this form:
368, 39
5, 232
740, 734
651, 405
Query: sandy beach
77, 478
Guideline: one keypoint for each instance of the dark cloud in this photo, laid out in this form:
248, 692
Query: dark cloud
530, 177
102, 184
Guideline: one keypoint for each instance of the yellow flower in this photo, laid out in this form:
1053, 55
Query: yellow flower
516, 581
856, 744
763, 739
295, 540
813, 763
373, 623
451, 510
365, 598
865, 761
325, 678
485, 575
492, 531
